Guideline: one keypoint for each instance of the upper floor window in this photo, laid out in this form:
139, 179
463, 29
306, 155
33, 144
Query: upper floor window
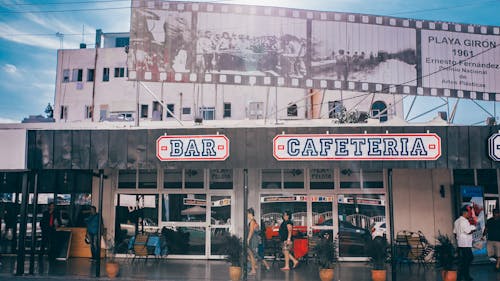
291, 111
90, 74
88, 112
379, 111
122, 42
65, 75
227, 109
64, 112
255, 110
77, 75
105, 74
170, 110
144, 111
334, 109
119, 71
207, 113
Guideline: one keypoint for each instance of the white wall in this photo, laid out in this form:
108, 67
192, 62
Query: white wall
418, 204
13, 150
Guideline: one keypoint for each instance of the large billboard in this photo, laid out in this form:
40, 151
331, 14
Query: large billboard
270, 46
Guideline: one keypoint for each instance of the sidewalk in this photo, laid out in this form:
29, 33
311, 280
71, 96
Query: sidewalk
79, 269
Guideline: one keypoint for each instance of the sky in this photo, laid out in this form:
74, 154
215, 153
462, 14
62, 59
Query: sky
32, 31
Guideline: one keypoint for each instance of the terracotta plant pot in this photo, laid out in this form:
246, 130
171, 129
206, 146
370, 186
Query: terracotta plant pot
449, 275
112, 269
234, 273
379, 275
326, 274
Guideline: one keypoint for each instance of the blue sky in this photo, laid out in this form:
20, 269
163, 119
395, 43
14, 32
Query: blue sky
28, 41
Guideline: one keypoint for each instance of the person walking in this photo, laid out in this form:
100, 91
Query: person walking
492, 232
50, 220
92, 231
463, 233
285, 233
254, 240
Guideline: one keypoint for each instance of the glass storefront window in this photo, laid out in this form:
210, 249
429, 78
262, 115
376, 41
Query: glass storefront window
184, 208
147, 179
350, 178
487, 178
221, 179
373, 179
127, 178
217, 238
221, 210
357, 215
322, 210
463, 176
271, 179
194, 178
321, 179
135, 213
272, 207
172, 178
293, 178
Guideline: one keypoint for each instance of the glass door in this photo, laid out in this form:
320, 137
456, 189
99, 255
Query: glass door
220, 223
322, 216
184, 216
359, 217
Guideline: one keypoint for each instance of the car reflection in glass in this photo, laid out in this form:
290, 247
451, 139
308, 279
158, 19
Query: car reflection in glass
353, 240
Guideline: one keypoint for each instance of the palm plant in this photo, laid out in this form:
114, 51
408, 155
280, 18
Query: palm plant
232, 248
326, 253
377, 250
445, 253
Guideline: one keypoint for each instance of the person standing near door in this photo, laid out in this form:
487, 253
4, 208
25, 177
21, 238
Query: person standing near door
463, 232
492, 231
48, 224
92, 231
285, 233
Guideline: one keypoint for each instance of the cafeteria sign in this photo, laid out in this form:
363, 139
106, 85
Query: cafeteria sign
387, 147
192, 148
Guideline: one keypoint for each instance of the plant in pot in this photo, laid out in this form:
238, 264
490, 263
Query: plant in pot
377, 251
326, 256
232, 249
112, 266
445, 257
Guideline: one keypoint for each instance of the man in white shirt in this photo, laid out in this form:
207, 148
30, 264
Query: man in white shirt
463, 233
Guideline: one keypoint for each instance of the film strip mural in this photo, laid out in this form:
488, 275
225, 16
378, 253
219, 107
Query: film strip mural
192, 42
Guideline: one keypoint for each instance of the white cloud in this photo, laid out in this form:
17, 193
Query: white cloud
10, 33
8, 120
10, 68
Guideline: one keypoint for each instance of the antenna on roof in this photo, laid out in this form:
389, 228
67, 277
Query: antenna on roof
61, 39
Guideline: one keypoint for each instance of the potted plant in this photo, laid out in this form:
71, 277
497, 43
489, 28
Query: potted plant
445, 257
326, 256
112, 266
232, 249
377, 251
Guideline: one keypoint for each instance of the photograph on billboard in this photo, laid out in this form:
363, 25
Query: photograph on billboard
460, 61
251, 45
364, 53
160, 41
191, 42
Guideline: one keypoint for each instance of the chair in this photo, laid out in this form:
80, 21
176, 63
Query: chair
140, 246
402, 250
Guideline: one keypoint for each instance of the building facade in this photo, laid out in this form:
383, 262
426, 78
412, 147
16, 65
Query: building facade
176, 143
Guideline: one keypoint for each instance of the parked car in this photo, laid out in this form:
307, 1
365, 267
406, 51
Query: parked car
379, 229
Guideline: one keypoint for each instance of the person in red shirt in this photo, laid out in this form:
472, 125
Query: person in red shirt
49, 222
